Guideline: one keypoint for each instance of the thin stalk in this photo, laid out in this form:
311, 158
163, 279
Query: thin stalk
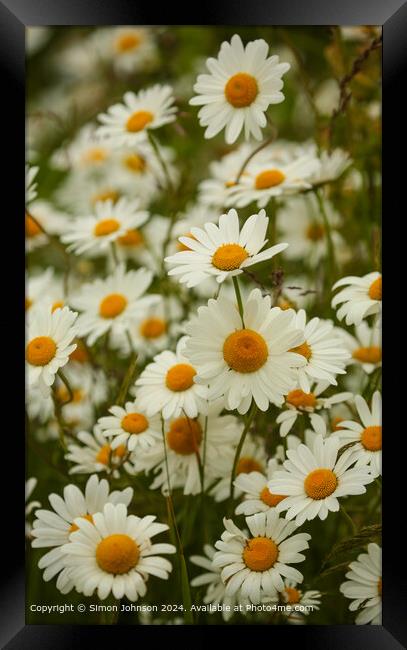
161, 161
263, 145
124, 388
239, 447
114, 253
238, 298
327, 226
59, 406
349, 520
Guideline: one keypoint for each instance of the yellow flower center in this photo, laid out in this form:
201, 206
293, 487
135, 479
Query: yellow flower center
31, 228
120, 451
106, 227
270, 499
134, 423
127, 42
94, 155
268, 178
299, 399
260, 554
303, 349
117, 554
105, 195
113, 305
41, 351
371, 438
245, 351
241, 90
131, 238
135, 163
75, 527
28, 303
184, 436
372, 354
284, 304
153, 327
246, 464
80, 353
57, 305
180, 377
229, 257
138, 121
375, 289
315, 232
320, 483
293, 596
103, 455
62, 394
335, 424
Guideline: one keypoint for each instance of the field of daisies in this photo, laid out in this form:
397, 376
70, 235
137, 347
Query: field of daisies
203, 312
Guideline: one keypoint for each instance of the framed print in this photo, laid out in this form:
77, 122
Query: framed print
203, 323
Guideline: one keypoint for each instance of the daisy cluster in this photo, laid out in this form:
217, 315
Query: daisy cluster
202, 353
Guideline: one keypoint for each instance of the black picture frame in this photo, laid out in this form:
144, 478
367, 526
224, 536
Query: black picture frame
15, 15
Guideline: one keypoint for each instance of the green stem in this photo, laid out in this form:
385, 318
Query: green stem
59, 406
327, 226
249, 420
124, 388
114, 254
238, 297
349, 520
161, 160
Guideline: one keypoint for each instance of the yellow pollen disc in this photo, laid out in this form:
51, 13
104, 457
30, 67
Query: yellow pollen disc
372, 354
28, 303
303, 349
153, 327
135, 163
113, 305
180, 377
245, 351
80, 353
184, 436
229, 257
269, 178
127, 42
300, 399
183, 247
138, 121
270, 499
284, 304
335, 424
320, 483
62, 394
371, 438
260, 554
315, 232
75, 527
246, 465
105, 196
57, 305
375, 289
241, 90
31, 228
379, 587
95, 155
230, 184
134, 423
104, 454
293, 596
41, 351
120, 451
106, 227
117, 554
131, 238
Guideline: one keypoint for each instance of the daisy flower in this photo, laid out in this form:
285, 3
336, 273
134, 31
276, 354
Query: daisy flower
30, 183
257, 496
298, 402
299, 603
258, 561
84, 153
45, 216
245, 361
190, 442
129, 426
215, 592
361, 297
365, 347
324, 352
114, 303
115, 553
49, 344
30, 486
37, 286
242, 83
332, 166
52, 528
168, 385
364, 586
130, 49
95, 454
222, 251
367, 434
301, 225
110, 223
267, 180
128, 123
253, 458
315, 478
79, 193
